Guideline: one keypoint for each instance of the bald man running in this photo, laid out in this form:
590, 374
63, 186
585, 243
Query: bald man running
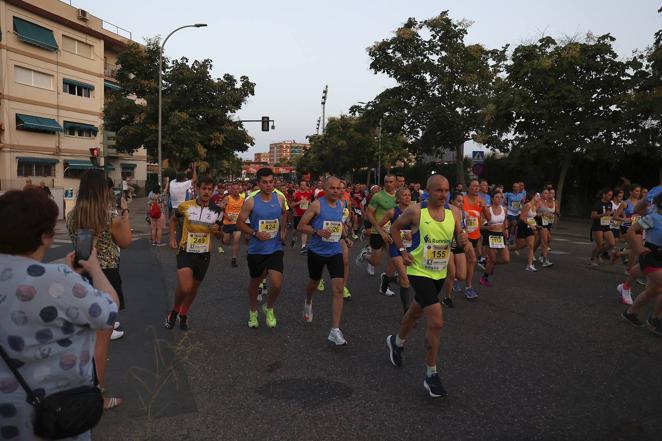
427, 262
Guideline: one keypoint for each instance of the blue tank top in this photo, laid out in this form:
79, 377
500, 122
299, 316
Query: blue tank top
652, 224
329, 217
266, 217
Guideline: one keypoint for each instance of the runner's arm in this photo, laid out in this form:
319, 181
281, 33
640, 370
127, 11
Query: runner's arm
411, 215
460, 235
634, 239
304, 224
246, 209
283, 217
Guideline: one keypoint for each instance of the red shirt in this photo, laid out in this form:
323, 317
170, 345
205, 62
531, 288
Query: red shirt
305, 196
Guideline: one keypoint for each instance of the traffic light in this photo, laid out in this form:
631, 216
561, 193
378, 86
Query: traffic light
94, 155
265, 123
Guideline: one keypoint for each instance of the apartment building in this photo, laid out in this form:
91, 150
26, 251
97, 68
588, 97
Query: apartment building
286, 152
261, 157
57, 64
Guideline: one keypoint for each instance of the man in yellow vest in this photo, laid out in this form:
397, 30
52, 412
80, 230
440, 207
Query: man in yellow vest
435, 226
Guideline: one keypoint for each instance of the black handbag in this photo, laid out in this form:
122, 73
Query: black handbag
63, 414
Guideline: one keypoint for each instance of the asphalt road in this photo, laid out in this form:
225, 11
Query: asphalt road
539, 356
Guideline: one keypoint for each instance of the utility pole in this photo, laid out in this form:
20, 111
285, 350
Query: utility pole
324, 94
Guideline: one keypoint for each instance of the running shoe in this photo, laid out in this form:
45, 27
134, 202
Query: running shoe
116, 335
370, 269
394, 351
641, 281
594, 262
183, 323
632, 319
626, 294
547, 263
170, 320
434, 387
541, 259
233, 264
161, 244
320, 286
485, 282
481, 265
304, 250
470, 293
354, 236
336, 337
531, 268
270, 316
448, 302
457, 286
252, 319
387, 293
221, 250
360, 258
654, 325
307, 312
116, 325
383, 283
346, 294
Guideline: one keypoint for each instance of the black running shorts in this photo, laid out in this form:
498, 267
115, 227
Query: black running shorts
230, 228
334, 265
524, 230
259, 263
198, 262
426, 290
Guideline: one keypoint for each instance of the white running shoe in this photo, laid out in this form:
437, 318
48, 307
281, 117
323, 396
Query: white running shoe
116, 325
116, 335
531, 268
626, 294
371, 269
307, 312
336, 337
387, 293
546, 263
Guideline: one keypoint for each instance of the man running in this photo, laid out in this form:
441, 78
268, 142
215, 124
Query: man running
267, 228
199, 219
323, 221
514, 203
301, 201
427, 262
231, 204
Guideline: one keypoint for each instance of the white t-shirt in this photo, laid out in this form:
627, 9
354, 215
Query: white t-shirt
125, 185
178, 192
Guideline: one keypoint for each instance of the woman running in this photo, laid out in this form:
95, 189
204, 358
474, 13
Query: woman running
496, 236
457, 268
601, 229
629, 218
403, 200
527, 228
546, 215
617, 205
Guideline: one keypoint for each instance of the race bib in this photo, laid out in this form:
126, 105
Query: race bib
269, 226
407, 243
345, 215
517, 205
197, 243
336, 231
304, 204
436, 257
232, 217
615, 224
387, 227
496, 242
547, 219
472, 224
635, 218
531, 221
605, 221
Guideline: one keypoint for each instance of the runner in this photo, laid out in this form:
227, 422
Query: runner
427, 262
346, 244
178, 192
231, 205
199, 219
473, 207
514, 202
461, 255
323, 222
302, 198
403, 199
483, 193
358, 196
627, 211
527, 229
617, 205
601, 230
267, 215
545, 217
650, 264
495, 237
380, 237
400, 181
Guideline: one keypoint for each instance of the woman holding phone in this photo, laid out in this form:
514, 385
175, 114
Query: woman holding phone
96, 210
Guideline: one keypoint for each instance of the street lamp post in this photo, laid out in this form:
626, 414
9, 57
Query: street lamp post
159, 154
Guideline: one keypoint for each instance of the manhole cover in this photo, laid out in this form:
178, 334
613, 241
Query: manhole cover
305, 391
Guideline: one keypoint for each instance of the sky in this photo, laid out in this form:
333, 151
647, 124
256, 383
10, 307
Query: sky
291, 49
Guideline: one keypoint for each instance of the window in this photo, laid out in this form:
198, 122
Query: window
85, 133
76, 47
128, 170
73, 173
33, 78
77, 89
28, 168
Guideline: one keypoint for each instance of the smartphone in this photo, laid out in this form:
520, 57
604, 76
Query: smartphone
84, 239
118, 199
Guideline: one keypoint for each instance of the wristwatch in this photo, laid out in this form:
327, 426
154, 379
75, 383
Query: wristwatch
253, 233
402, 249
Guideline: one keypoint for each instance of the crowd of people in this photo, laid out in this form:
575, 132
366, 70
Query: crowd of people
57, 327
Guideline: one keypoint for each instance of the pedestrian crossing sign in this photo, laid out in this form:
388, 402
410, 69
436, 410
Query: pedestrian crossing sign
477, 156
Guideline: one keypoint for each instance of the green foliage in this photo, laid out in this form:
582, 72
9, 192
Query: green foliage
196, 107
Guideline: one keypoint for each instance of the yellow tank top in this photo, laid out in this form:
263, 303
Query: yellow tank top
432, 244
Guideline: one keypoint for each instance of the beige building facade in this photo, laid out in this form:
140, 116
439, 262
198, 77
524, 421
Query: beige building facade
286, 152
57, 64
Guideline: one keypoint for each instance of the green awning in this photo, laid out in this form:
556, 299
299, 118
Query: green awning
111, 86
77, 83
78, 164
128, 165
37, 123
80, 126
35, 35
36, 160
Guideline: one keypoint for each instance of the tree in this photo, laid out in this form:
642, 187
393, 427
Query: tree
562, 100
197, 108
443, 85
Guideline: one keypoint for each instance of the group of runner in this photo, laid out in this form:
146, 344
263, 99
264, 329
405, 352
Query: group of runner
427, 236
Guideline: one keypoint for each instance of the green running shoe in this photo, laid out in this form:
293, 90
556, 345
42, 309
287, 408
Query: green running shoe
270, 316
346, 294
252, 319
320, 287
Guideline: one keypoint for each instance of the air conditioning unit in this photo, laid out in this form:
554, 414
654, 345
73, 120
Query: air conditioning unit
82, 15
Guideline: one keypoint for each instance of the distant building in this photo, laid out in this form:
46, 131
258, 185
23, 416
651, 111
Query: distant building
286, 151
261, 157
57, 63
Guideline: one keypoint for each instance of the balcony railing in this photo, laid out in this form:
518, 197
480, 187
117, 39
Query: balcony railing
110, 70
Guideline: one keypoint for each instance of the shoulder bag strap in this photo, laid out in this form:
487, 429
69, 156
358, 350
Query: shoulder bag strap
32, 398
